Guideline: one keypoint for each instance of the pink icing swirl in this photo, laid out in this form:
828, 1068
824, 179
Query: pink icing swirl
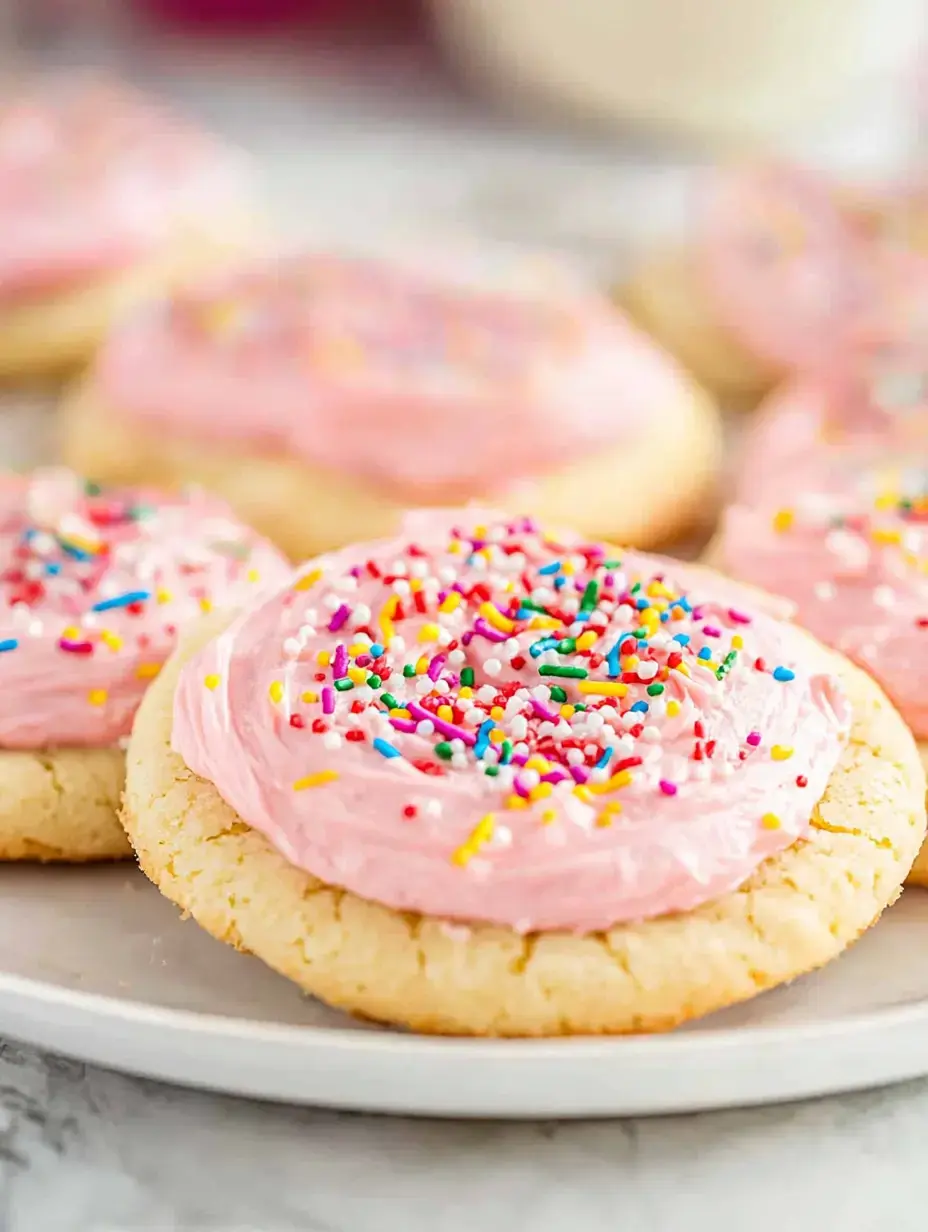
484, 722
93, 176
93, 589
436, 387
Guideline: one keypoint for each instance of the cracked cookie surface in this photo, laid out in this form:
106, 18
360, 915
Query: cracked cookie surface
799, 910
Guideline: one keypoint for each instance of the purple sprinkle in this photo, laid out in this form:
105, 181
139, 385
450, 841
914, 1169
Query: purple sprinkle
520, 789
364, 660
340, 661
435, 667
339, 618
446, 729
467, 638
542, 711
491, 634
356, 571
698, 612
711, 631
740, 618
668, 788
753, 739
328, 700
554, 776
403, 725
579, 774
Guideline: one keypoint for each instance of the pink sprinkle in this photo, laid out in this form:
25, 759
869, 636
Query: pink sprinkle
403, 725
668, 788
339, 617
520, 789
553, 776
485, 630
328, 700
754, 739
542, 711
446, 729
579, 774
740, 618
76, 647
340, 660
711, 631
435, 667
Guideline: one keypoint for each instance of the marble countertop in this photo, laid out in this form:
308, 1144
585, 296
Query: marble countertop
83, 1150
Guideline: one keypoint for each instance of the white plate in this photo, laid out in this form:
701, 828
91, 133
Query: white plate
95, 964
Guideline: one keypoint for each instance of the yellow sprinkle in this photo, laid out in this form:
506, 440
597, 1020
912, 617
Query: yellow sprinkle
429, 633
308, 580
539, 763
496, 713
454, 547
544, 622
604, 820
481, 834
206, 605
586, 641
886, 536
309, 697
783, 520
683, 669
673, 708
147, 671
275, 691
630, 662
886, 500
71, 633
253, 575
113, 640
415, 584
401, 713
384, 621
582, 792
211, 681
567, 711
548, 816
422, 665
480, 532
516, 802
450, 602
357, 674
737, 642
446, 713
493, 616
770, 821
323, 658
781, 752
357, 648
603, 688
97, 697
622, 779
541, 791
315, 780
465, 691
163, 596
568, 569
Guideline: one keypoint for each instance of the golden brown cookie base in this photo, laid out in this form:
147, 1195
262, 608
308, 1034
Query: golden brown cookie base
798, 911
62, 805
645, 493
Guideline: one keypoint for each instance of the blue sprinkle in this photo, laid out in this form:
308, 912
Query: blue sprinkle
525, 613
682, 638
560, 583
483, 737
131, 596
665, 616
554, 567
53, 569
75, 553
375, 650
683, 603
783, 673
9, 643
538, 648
642, 604
612, 659
385, 748
641, 707
705, 653
605, 759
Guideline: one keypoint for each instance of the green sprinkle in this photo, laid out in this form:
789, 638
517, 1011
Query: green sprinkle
558, 694
409, 670
505, 752
572, 673
443, 750
344, 684
531, 605
590, 596
374, 680
91, 489
611, 564
491, 771
634, 590
655, 690
640, 634
389, 701
467, 677
579, 706
567, 645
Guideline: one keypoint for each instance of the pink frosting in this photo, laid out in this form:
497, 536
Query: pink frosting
854, 562
93, 589
542, 735
93, 177
432, 385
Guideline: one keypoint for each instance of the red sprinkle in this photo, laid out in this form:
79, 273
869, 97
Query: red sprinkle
296, 720
410, 811
802, 781
320, 726
355, 735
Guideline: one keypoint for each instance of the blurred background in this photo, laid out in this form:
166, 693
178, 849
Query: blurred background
575, 124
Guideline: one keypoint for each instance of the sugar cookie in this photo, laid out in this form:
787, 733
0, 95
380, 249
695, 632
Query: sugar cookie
487, 781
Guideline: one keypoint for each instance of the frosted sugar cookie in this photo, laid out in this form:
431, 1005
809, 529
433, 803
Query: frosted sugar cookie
481, 779
93, 589
783, 264
105, 197
375, 386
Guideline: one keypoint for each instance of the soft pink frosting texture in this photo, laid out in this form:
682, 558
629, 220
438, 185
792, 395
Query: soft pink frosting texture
436, 387
93, 590
855, 563
542, 735
94, 177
